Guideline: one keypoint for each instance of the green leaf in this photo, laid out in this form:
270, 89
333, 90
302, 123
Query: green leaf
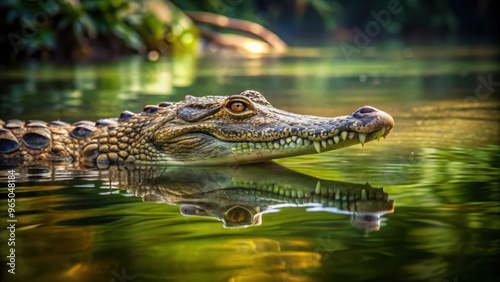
88, 25
77, 30
128, 35
325, 10
47, 39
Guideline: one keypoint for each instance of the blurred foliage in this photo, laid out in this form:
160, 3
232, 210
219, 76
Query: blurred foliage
304, 20
83, 28
43, 28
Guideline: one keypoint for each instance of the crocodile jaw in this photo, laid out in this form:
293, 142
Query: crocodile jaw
212, 151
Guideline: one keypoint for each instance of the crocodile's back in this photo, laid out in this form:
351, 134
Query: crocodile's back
36, 141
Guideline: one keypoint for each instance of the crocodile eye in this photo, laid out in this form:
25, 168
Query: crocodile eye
237, 106
238, 216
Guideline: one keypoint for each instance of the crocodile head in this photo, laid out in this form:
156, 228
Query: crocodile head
242, 128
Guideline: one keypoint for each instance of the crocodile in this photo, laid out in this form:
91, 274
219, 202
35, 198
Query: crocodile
210, 130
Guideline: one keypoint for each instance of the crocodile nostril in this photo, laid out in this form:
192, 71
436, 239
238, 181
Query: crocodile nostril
366, 110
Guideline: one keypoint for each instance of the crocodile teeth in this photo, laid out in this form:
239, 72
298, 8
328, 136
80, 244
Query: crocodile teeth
323, 143
317, 190
381, 132
362, 138
317, 146
343, 135
336, 139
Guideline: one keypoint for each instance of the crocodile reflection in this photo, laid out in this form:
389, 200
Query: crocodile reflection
239, 195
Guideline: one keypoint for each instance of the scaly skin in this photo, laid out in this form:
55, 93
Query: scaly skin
212, 130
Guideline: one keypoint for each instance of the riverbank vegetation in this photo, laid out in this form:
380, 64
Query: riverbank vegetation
94, 30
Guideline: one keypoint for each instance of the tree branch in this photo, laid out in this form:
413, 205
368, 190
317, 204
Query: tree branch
242, 25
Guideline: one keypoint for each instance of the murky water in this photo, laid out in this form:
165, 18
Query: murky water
437, 218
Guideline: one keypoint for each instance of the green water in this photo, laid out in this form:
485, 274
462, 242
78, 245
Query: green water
439, 165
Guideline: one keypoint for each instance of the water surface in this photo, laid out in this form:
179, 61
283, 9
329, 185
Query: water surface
439, 166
